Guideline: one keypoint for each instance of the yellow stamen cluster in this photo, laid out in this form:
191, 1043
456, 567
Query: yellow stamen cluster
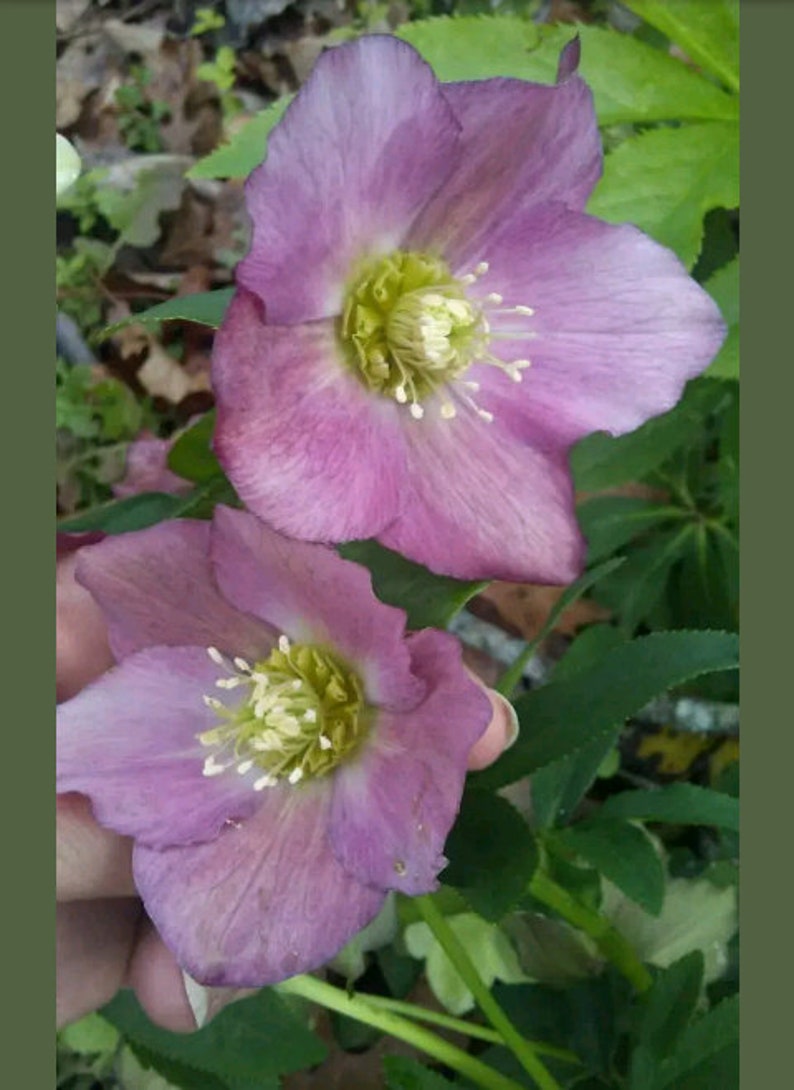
410, 330
302, 712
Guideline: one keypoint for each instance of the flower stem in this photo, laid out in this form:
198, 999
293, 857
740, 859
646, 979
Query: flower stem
609, 941
455, 951
459, 1025
356, 1007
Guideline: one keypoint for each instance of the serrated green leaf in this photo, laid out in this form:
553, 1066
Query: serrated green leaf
723, 287
560, 718
404, 1074
255, 1038
678, 803
622, 853
707, 32
631, 82
431, 601
492, 854
609, 522
633, 591
601, 461
558, 788
665, 181
191, 455
667, 1008
707, 1053
203, 308
512, 675
245, 150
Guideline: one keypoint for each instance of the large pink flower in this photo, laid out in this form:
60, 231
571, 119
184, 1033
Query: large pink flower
281, 751
416, 246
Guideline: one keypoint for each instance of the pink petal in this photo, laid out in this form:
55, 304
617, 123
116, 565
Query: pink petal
307, 448
155, 586
619, 325
128, 741
366, 142
523, 144
264, 901
483, 504
308, 592
394, 806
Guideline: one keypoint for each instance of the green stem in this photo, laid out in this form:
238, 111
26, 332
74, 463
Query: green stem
456, 952
609, 941
335, 999
459, 1025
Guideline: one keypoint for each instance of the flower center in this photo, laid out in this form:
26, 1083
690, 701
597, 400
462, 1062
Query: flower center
410, 330
302, 714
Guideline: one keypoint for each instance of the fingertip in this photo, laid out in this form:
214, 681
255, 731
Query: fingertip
499, 735
157, 980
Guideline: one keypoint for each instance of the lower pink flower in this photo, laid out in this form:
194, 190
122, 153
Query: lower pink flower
281, 751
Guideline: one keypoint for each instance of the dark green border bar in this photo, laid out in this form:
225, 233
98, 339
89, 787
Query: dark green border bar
27, 161
767, 283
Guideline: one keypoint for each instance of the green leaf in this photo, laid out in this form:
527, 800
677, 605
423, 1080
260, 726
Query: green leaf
560, 718
492, 854
588, 647
601, 461
204, 308
191, 455
634, 591
488, 947
92, 1034
404, 1074
558, 788
609, 522
480, 47
723, 287
431, 601
622, 853
707, 32
246, 149
667, 1008
130, 513
707, 1053
255, 1038
631, 82
512, 675
678, 803
665, 181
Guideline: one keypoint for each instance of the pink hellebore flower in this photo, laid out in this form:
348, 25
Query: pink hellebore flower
415, 246
281, 751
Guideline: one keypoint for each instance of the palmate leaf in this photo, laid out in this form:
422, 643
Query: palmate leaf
667, 1009
492, 854
631, 81
707, 1053
621, 852
665, 181
255, 1038
707, 32
561, 718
